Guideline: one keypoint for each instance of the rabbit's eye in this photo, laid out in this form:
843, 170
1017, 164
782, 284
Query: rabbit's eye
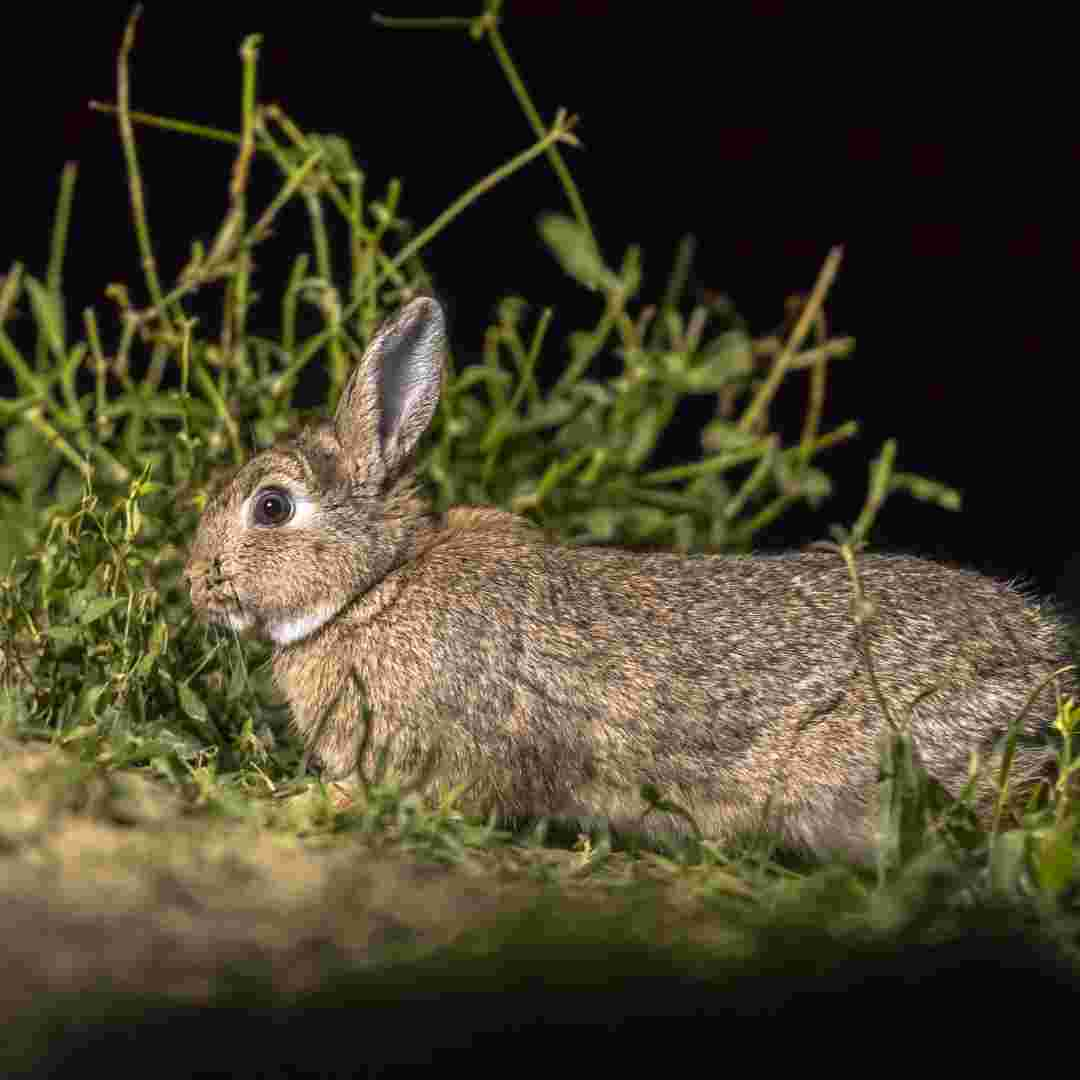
273, 506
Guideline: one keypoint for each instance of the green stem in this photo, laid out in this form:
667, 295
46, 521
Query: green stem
780, 367
584, 356
838, 435
573, 196
37, 421
9, 291
208, 387
534, 353
100, 366
749, 487
680, 274
182, 127
24, 375
879, 488
289, 303
488, 24
57, 248
438, 22
830, 350
261, 227
233, 342
127, 139
706, 467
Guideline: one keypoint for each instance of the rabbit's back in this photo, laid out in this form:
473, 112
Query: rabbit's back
569, 677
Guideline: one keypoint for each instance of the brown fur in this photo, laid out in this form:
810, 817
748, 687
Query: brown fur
561, 679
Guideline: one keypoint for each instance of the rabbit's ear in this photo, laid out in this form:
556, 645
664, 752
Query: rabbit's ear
389, 401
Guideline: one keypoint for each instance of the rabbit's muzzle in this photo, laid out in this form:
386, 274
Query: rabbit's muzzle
211, 595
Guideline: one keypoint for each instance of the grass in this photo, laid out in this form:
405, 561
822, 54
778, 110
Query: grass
167, 860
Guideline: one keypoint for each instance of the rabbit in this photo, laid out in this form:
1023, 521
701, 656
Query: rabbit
558, 680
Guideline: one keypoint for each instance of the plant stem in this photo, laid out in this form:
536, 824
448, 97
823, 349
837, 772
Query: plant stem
57, 248
182, 127
37, 421
127, 139
880, 476
768, 388
488, 24
573, 196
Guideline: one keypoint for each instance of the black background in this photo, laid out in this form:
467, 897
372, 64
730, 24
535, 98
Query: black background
943, 158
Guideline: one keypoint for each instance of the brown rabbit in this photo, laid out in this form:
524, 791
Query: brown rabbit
568, 677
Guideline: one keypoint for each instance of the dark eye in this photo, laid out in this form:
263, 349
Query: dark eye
273, 507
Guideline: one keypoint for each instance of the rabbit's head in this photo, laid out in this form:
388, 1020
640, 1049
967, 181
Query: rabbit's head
308, 525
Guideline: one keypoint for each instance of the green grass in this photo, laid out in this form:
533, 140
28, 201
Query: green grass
163, 848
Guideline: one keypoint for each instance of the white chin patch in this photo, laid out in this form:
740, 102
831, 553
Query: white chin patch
286, 631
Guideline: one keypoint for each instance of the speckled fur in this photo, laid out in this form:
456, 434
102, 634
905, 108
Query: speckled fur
561, 679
